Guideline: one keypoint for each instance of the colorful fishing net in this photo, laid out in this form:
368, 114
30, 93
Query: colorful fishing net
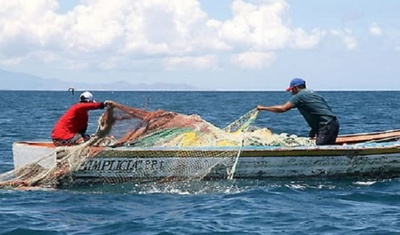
185, 147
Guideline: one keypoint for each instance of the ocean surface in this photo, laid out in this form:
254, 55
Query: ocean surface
313, 206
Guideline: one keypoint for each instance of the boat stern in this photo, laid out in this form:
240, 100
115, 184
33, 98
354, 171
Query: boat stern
29, 152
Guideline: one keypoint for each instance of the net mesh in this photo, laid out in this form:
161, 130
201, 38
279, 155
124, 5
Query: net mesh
131, 129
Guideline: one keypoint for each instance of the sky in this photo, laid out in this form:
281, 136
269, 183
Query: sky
209, 44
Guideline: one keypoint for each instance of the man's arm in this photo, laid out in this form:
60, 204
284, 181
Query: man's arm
277, 108
91, 106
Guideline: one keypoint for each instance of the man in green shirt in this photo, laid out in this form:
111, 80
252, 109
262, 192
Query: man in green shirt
317, 113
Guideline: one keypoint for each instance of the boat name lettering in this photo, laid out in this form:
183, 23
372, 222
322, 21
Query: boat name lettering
122, 165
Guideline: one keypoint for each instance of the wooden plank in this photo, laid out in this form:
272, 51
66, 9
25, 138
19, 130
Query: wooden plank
390, 135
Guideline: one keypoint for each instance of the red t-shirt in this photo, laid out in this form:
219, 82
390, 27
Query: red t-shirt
75, 120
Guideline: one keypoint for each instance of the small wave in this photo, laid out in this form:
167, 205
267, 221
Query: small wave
367, 183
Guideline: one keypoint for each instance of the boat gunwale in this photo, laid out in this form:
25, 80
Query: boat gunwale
350, 150
313, 151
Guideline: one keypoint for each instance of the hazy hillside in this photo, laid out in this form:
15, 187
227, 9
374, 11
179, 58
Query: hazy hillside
22, 81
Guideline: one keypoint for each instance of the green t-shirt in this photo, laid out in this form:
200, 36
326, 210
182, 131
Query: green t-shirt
313, 107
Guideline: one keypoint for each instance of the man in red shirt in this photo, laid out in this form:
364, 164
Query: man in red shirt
71, 128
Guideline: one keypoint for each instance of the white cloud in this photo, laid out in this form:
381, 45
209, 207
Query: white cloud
347, 38
178, 30
12, 60
76, 65
253, 60
257, 26
208, 62
303, 40
28, 25
375, 30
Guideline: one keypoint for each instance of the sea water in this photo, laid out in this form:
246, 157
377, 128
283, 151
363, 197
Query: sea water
313, 206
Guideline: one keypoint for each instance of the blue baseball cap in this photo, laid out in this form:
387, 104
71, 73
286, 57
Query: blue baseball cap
295, 82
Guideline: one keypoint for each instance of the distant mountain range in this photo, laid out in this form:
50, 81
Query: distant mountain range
23, 81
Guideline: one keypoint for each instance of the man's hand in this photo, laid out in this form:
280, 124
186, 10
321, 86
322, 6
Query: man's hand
259, 107
109, 103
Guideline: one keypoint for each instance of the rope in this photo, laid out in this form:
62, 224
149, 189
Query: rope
247, 120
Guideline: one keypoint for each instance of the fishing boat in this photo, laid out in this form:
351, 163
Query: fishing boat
375, 154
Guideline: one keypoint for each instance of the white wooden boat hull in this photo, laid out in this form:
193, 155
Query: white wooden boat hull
147, 164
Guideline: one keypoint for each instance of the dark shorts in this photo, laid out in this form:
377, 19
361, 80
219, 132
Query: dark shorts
328, 132
77, 139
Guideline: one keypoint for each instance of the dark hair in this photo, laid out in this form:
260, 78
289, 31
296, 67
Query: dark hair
302, 86
82, 99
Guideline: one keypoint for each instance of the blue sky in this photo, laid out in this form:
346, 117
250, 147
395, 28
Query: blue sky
210, 44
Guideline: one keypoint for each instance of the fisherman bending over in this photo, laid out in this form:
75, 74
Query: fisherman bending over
315, 110
71, 128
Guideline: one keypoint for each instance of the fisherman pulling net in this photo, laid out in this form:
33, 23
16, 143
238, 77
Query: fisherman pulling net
149, 132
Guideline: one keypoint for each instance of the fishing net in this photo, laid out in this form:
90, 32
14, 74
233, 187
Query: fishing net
195, 147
